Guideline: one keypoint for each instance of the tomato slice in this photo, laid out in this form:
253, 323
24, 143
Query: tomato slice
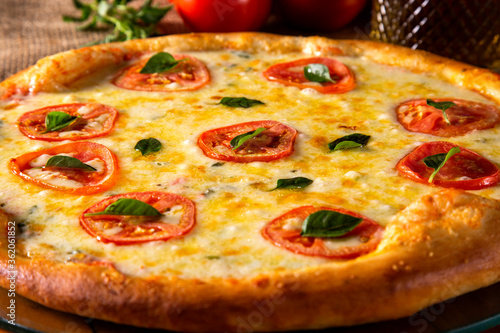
74, 181
465, 117
465, 170
190, 74
273, 143
95, 120
292, 74
277, 231
126, 230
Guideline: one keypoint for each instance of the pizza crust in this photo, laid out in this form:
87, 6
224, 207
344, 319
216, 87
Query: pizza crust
441, 246
55, 72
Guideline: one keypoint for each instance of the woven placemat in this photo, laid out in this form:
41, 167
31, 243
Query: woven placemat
33, 29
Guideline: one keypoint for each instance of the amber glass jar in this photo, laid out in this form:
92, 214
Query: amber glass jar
466, 30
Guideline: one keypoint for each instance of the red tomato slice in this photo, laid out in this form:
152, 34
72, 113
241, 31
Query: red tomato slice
273, 143
73, 181
465, 170
191, 74
368, 232
292, 74
465, 117
96, 120
126, 230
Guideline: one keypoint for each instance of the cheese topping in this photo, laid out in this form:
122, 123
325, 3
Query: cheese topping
42, 160
52, 177
55, 177
97, 164
232, 199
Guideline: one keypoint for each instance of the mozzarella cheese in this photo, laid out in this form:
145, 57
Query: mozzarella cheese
232, 199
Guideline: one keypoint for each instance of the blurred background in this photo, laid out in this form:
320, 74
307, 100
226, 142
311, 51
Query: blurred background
467, 30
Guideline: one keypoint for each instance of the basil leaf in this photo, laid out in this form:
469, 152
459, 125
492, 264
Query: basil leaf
86, 10
56, 120
61, 161
443, 106
317, 73
292, 183
237, 141
126, 22
147, 146
439, 160
128, 207
349, 141
212, 257
150, 14
328, 223
159, 63
241, 102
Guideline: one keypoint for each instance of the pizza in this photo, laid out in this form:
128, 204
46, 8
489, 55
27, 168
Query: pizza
249, 182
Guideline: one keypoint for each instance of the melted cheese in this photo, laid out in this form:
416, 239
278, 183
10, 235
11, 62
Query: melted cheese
42, 160
57, 178
52, 177
232, 200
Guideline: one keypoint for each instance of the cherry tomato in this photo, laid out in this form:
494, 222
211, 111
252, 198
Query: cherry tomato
292, 74
95, 120
319, 15
223, 15
190, 74
368, 232
273, 143
69, 180
465, 117
465, 170
126, 230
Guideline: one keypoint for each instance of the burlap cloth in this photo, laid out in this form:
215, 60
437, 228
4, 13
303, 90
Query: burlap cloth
33, 29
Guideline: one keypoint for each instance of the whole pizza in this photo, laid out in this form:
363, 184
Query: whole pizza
248, 182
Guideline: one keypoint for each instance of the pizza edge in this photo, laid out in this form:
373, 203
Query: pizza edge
55, 72
423, 258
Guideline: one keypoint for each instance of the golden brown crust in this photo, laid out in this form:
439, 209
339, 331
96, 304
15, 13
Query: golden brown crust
443, 245
58, 71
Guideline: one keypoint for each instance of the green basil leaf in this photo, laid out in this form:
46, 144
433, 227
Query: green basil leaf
347, 145
159, 63
128, 207
126, 22
237, 141
91, 24
328, 223
439, 160
103, 7
151, 14
212, 257
57, 120
61, 161
86, 10
147, 146
443, 106
293, 183
78, 4
349, 141
317, 73
241, 102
